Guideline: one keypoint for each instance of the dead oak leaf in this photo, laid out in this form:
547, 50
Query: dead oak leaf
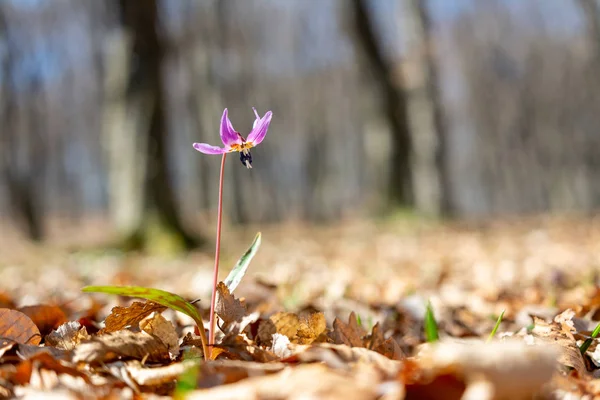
376, 341
350, 334
17, 326
283, 323
560, 333
67, 336
45, 317
228, 308
121, 344
162, 329
310, 328
123, 317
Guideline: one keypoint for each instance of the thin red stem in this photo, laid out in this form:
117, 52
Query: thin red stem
211, 331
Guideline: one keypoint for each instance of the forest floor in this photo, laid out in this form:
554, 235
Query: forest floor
328, 312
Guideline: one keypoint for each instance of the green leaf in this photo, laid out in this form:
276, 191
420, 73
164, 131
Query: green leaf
498, 321
588, 342
162, 297
431, 327
187, 382
239, 270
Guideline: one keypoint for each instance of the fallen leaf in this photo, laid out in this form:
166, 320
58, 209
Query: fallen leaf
281, 346
45, 317
160, 328
310, 328
283, 323
508, 369
228, 308
119, 344
145, 376
19, 327
340, 356
67, 336
305, 381
6, 345
560, 332
350, 334
123, 317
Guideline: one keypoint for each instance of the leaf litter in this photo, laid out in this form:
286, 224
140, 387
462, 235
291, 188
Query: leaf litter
333, 313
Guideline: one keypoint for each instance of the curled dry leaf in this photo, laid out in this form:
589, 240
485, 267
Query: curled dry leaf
284, 323
123, 317
6, 345
340, 356
144, 376
350, 334
496, 370
388, 347
67, 336
228, 308
163, 330
306, 381
560, 332
310, 328
19, 327
45, 317
119, 344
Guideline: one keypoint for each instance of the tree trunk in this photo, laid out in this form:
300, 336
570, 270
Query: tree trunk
394, 103
420, 73
147, 211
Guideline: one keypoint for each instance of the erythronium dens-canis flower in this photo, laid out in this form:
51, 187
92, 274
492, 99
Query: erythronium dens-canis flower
234, 141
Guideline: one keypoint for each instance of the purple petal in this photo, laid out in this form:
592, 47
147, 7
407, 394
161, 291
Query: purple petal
208, 149
260, 129
228, 135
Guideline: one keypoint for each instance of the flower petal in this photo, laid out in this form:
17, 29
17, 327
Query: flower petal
260, 129
228, 135
208, 149
257, 118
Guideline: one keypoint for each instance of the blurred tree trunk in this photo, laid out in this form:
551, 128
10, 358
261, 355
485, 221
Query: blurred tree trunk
591, 14
22, 153
420, 72
144, 203
394, 103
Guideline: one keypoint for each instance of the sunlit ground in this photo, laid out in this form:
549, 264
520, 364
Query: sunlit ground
382, 271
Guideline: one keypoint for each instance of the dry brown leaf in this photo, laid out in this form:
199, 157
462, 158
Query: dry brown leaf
45, 317
228, 308
302, 382
67, 336
19, 327
6, 345
310, 328
284, 323
388, 347
508, 370
123, 317
119, 344
350, 334
560, 332
160, 328
341, 356
220, 372
144, 376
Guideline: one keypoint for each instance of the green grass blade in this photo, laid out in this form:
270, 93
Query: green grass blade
239, 270
431, 327
498, 321
588, 342
161, 297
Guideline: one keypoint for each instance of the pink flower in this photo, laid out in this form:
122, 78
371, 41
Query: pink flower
233, 141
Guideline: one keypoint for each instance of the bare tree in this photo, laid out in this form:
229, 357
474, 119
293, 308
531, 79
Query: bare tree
420, 71
394, 102
146, 102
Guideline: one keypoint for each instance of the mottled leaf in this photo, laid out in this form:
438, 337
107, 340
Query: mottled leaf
240, 268
162, 297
